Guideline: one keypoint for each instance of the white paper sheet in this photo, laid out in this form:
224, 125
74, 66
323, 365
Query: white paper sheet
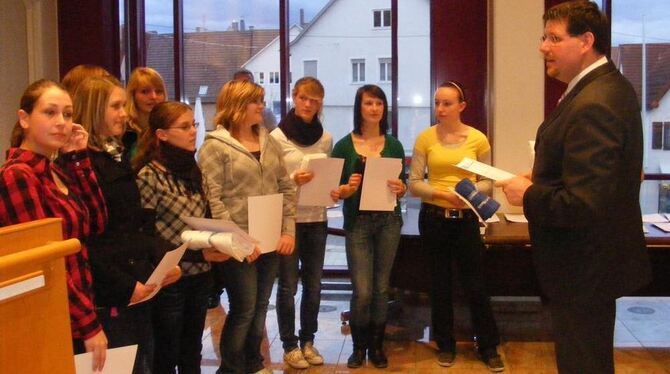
118, 361
230, 243
653, 218
265, 220
375, 193
493, 219
516, 218
483, 169
327, 172
169, 261
664, 226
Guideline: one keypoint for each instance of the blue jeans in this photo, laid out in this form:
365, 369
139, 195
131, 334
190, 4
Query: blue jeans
371, 247
249, 287
179, 319
127, 326
310, 250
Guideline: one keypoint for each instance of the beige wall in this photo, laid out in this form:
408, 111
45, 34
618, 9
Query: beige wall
29, 50
517, 92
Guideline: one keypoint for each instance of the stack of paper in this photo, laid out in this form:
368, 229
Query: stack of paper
224, 236
230, 243
326, 172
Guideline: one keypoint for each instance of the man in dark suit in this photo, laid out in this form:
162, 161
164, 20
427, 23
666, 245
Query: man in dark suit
582, 199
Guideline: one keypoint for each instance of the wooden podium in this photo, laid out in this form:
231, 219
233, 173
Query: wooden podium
35, 332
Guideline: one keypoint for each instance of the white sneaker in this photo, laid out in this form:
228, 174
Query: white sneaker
295, 359
311, 354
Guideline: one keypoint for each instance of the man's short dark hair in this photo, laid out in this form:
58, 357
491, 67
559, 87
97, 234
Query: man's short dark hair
242, 72
582, 16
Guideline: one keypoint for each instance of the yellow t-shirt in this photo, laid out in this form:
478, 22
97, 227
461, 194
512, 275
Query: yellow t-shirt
442, 158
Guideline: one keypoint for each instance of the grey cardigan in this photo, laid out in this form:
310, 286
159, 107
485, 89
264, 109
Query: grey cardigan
232, 174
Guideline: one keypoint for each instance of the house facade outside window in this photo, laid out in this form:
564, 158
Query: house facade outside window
385, 70
381, 18
310, 68
358, 70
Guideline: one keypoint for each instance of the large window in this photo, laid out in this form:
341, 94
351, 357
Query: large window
641, 50
159, 41
381, 18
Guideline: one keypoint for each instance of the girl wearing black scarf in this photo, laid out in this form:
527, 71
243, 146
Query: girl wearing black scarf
300, 133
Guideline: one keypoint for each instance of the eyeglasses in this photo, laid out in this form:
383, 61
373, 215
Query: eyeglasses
185, 127
553, 39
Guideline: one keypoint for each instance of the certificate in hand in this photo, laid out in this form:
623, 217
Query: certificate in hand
483, 169
326, 178
169, 261
375, 192
217, 225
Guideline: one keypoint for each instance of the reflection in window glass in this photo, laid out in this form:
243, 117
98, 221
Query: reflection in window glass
338, 34
159, 39
414, 96
385, 74
641, 50
123, 33
222, 37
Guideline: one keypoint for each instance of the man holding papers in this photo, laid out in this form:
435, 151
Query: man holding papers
449, 229
582, 200
371, 236
301, 135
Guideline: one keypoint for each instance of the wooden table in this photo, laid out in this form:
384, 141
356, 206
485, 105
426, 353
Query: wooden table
508, 266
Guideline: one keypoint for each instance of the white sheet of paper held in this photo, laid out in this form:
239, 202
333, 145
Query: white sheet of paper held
265, 220
327, 173
119, 361
483, 169
375, 193
169, 261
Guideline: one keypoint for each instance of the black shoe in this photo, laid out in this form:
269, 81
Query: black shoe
446, 358
357, 359
213, 301
493, 362
375, 346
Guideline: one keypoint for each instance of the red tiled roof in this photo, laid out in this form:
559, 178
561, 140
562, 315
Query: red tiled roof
628, 58
210, 58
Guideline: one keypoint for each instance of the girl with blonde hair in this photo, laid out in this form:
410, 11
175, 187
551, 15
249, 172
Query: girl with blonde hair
240, 160
145, 90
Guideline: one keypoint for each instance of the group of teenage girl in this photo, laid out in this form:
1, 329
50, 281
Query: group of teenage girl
119, 166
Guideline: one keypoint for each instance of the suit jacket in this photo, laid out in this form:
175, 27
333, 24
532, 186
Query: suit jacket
583, 207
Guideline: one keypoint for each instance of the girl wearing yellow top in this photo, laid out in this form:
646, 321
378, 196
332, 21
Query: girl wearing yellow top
449, 230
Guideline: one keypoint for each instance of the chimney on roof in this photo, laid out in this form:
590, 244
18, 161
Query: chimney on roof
235, 26
302, 17
242, 27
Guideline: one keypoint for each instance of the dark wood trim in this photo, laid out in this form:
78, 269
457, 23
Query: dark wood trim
459, 51
393, 101
135, 33
178, 47
284, 60
88, 33
657, 177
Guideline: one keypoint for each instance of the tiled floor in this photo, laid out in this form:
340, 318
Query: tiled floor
642, 338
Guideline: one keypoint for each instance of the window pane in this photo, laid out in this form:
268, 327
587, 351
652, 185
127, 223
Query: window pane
123, 33
414, 96
377, 18
159, 27
641, 50
222, 37
310, 68
657, 135
387, 18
